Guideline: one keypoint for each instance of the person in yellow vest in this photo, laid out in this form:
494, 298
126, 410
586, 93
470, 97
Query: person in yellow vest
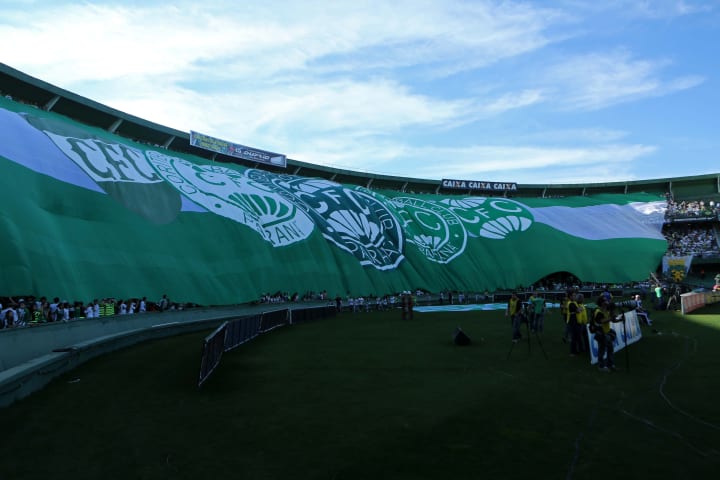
582, 319
563, 314
107, 307
604, 334
573, 325
37, 315
513, 312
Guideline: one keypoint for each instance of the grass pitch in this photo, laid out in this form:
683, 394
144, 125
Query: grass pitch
369, 396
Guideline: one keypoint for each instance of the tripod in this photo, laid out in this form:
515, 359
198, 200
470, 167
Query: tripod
673, 303
526, 320
627, 346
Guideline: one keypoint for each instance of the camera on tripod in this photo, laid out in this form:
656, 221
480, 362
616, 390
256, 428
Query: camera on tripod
525, 310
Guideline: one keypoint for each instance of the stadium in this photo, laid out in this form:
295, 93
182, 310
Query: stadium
223, 244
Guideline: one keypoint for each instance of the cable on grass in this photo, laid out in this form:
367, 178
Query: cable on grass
578, 439
667, 373
650, 424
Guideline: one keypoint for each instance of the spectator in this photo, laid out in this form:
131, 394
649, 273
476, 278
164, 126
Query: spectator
640, 311
164, 303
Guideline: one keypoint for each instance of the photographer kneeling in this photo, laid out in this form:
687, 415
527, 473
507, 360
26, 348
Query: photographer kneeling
604, 334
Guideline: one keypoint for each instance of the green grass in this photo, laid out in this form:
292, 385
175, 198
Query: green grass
368, 396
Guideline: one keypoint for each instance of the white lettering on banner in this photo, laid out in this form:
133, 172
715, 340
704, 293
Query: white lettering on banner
106, 162
511, 207
490, 215
479, 185
229, 193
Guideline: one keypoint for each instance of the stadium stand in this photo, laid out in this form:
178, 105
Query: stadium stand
691, 219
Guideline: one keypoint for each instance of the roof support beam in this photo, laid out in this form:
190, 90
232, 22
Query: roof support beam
115, 125
51, 103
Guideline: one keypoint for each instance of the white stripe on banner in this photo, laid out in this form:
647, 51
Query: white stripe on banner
635, 220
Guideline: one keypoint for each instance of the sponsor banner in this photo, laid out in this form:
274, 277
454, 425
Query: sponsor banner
692, 301
236, 150
627, 332
479, 185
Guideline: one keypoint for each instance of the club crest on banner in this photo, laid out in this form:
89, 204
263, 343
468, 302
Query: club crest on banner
434, 229
353, 219
231, 194
493, 218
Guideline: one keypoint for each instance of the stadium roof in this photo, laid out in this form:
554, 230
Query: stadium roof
28, 89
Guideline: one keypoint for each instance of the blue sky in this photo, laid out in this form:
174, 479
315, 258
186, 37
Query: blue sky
527, 92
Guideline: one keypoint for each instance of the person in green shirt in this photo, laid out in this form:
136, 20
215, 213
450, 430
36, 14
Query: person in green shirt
537, 303
658, 297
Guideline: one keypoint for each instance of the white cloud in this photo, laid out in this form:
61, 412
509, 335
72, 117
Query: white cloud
575, 136
74, 42
661, 9
647, 9
595, 81
524, 164
486, 159
350, 84
513, 101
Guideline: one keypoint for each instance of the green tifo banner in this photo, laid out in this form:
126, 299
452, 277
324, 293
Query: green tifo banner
87, 214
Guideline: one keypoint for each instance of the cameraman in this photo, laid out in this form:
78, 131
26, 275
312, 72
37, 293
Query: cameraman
573, 309
537, 309
582, 320
604, 334
513, 311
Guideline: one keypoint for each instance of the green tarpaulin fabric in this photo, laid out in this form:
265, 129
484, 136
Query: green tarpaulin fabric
87, 214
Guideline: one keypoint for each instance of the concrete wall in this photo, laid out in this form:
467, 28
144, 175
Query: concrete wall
19, 345
31, 357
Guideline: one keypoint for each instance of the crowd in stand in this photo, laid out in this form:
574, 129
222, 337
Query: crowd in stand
281, 297
23, 312
19, 100
684, 234
691, 239
691, 209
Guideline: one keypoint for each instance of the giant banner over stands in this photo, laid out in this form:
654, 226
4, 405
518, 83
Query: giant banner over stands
89, 214
236, 150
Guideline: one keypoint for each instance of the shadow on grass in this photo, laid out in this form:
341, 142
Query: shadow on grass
371, 396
